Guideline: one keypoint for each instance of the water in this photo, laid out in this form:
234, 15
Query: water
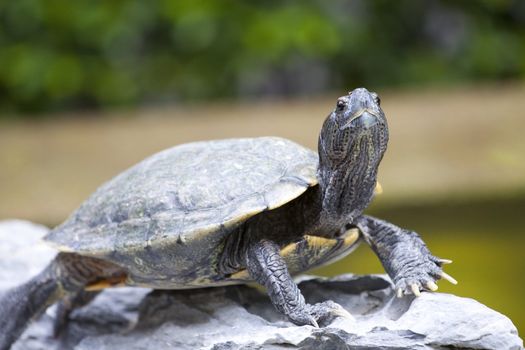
484, 238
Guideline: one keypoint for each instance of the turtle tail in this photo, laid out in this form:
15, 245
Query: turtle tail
21, 304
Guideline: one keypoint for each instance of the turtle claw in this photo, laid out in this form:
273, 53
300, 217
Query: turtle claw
444, 261
415, 290
313, 322
303, 318
447, 277
343, 313
431, 286
324, 313
399, 292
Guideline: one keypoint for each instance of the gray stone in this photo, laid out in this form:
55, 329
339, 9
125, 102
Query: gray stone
241, 317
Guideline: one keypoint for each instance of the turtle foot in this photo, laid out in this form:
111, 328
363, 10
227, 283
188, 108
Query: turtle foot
320, 314
422, 276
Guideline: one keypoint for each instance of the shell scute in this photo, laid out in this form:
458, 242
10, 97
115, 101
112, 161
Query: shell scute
191, 194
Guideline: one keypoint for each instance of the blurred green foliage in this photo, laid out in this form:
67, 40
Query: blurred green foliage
60, 54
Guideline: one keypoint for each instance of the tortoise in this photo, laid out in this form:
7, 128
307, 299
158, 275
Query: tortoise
233, 211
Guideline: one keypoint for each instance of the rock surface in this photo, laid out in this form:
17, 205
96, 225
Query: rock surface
242, 317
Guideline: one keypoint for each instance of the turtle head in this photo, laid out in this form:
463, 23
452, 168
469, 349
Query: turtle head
352, 142
356, 128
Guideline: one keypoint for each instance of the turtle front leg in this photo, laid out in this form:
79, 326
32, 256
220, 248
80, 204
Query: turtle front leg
404, 256
267, 267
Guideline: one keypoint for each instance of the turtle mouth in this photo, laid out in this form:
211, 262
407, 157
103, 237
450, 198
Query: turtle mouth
367, 118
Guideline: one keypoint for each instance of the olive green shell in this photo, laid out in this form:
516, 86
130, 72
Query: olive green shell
172, 210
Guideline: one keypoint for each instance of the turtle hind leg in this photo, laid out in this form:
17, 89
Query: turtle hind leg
21, 304
66, 275
108, 276
67, 305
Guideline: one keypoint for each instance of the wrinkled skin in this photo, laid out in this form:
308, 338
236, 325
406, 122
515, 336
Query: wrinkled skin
352, 142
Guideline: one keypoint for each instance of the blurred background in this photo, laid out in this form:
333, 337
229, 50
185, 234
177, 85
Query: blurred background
88, 88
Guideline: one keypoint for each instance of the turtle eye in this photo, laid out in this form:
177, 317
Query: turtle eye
340, 104
377, 100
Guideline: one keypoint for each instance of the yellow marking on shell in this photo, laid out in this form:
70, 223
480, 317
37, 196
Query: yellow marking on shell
316, 247
59, 247
289, 249
351, 236
242, 275
283, 193
118, 281
238, 218
378, 189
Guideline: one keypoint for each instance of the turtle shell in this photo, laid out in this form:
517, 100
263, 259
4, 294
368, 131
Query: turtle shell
180, 203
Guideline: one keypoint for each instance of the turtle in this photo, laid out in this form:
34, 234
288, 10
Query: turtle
234, 211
